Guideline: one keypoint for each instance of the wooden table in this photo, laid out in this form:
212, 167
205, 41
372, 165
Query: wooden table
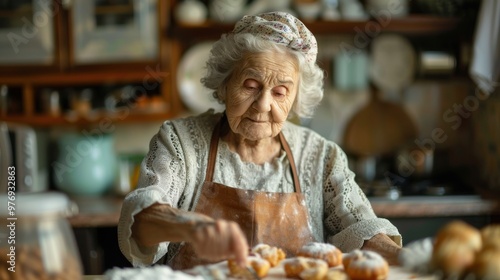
277, 273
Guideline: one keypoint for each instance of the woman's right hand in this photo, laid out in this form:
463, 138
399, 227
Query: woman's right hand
220, 240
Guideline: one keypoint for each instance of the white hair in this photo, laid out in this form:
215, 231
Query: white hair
231, 48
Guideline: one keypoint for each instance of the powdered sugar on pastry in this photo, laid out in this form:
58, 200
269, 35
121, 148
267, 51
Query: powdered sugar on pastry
273, 255
324, 251
365, 265
305, 268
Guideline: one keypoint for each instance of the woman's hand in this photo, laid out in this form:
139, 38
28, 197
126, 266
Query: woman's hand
384, 245
219, 240
211, 239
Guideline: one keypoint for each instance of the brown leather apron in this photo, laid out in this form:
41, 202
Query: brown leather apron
277, 219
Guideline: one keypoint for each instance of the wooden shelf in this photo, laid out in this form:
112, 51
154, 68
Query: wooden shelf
26, 11
30, 82
114, 9
84, 78
412, 25
66, 120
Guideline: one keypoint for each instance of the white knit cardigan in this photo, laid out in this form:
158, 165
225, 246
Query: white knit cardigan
174, 170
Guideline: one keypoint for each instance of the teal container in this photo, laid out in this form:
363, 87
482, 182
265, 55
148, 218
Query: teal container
351, 70
86, 164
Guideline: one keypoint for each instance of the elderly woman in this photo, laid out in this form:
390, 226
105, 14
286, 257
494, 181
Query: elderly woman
216, 184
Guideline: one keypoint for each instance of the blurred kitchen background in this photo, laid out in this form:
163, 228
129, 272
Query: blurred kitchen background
85, 84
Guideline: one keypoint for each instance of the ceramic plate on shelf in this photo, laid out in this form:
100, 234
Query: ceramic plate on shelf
191, 69
393, 62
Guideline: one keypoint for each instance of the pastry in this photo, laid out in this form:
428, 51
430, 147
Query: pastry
324, 251
272, 254
336, 274
365, 265
487, 264
260, 265
491, 235
305, 268
455, 248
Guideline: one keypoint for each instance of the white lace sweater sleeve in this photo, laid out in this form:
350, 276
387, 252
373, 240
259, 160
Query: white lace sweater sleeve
171, 173
349, 218
163, 173
341, 213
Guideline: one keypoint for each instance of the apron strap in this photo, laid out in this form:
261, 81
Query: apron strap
212, 155
296, 182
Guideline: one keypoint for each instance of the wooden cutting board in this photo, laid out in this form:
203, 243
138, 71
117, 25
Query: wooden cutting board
379, 128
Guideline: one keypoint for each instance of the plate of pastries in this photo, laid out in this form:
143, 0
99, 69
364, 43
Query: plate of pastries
314, 261
457, 251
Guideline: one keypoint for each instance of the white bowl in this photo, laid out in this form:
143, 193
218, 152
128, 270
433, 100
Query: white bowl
308, 11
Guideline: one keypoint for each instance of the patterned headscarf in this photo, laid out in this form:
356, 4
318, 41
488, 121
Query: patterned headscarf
281, 28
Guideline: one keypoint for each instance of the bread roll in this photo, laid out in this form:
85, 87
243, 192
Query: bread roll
455, 248
487, 264
491, 236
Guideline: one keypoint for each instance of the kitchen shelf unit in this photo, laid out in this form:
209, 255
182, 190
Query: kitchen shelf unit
26, 80
29, 82
418, 26
411, 25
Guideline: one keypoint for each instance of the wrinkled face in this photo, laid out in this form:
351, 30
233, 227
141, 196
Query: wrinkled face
260, 94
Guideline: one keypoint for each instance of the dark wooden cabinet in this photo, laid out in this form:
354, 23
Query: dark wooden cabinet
81, 63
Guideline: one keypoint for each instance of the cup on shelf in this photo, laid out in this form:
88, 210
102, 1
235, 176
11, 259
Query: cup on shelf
191, 12
308, 10
81, 102
51, 104
4, 99
226, 11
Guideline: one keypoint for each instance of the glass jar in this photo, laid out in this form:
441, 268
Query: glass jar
36, 240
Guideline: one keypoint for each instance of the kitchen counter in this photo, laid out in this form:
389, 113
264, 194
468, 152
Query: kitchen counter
98, 211
275, 273
434, 206
105, 211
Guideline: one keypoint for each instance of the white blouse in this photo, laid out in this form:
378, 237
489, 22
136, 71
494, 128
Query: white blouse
174, 170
